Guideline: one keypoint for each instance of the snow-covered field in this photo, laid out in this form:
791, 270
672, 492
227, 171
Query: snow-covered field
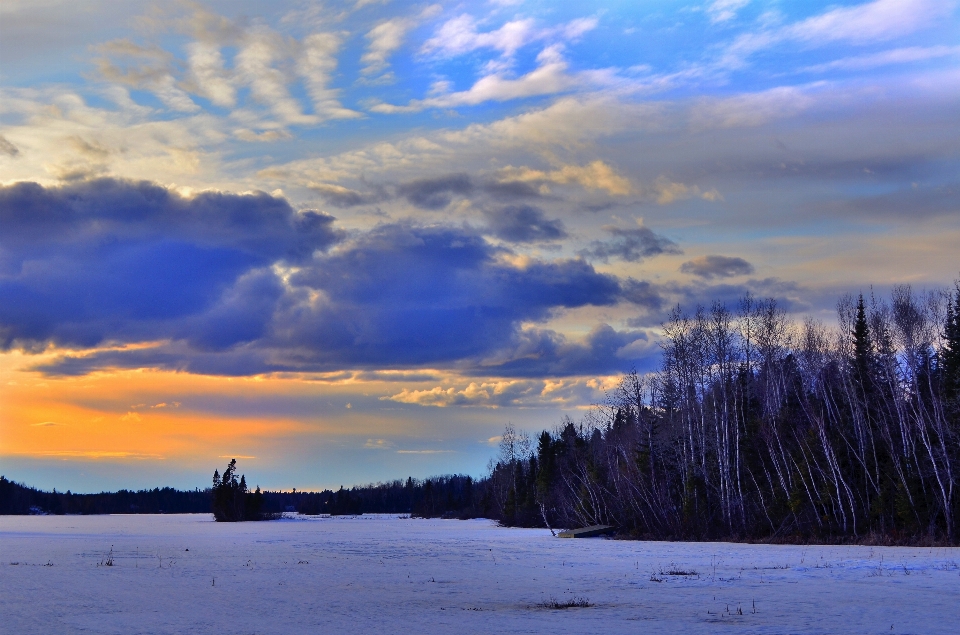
383, 574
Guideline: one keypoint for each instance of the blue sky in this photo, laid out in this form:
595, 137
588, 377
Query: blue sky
385, 229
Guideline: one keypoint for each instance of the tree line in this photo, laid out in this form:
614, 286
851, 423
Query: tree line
451, 496
757, 426
16, 498
229, 499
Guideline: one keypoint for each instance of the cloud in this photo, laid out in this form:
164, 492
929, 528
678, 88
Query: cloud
260, 50
133, 276
436, 193
340, 196
60, 134
910, 202
643, 294
904, 55
596, 175
573, 125
429, 193
789, 295
724, 10
632, 245
264, 61
387, 37
500, 394
317, 63
8, 148
550, 77
510, 190
523, 223
546, 353
717, 267
870, 22
861, 24
459, 36
148, 67
665, 192
207, 76
116, 260
384, 39
406, 295
752, 109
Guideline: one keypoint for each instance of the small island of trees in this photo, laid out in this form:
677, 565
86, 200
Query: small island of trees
230, 500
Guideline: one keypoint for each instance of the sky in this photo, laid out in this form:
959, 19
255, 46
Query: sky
349, 242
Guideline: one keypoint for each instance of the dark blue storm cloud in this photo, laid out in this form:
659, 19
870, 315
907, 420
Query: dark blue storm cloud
407, 295
120, 261
116, 262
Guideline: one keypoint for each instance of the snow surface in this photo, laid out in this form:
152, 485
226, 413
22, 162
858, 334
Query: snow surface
384, 574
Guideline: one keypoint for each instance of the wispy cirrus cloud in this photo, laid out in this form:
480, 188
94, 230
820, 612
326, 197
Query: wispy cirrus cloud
904, 55
127, 63
860, 24
386, 38
316, 64
255, 62
264, 68
460, 35
725, 10
550, 77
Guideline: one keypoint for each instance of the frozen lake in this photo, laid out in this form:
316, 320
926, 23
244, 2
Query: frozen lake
377, 574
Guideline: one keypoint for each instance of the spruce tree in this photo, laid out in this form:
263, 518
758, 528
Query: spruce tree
862, 346
950, 355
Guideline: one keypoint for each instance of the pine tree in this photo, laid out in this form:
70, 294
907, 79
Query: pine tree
862, 348
950, 355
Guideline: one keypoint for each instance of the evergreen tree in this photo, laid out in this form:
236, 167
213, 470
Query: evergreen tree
950, 355
862, 346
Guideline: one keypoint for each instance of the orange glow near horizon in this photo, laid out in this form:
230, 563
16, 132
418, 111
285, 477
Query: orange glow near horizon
134, 414
168, 415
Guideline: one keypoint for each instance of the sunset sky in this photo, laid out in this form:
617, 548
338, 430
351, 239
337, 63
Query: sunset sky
349, 242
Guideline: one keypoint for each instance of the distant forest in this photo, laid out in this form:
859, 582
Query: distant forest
442, 496
755, 427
